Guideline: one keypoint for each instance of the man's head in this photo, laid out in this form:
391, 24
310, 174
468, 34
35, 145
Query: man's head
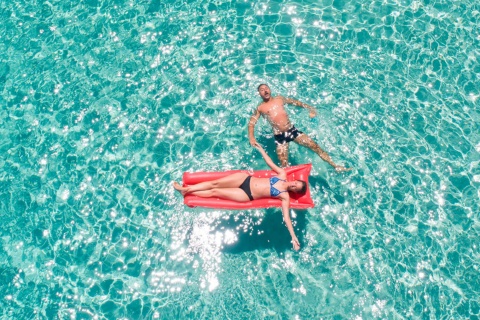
264, 92
298, 186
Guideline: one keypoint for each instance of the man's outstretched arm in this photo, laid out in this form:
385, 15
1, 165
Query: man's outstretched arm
251, 127
297, 103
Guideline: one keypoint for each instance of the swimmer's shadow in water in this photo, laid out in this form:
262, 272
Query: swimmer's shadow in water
265, 232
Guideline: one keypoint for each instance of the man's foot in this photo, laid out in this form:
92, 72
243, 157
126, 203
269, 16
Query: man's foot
342, 169
179, 188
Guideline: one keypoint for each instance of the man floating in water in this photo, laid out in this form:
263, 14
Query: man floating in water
284, 132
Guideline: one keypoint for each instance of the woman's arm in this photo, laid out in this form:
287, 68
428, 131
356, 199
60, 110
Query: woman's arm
269, 161
288, 222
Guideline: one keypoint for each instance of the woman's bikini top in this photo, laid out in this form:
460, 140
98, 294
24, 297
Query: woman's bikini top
274, 192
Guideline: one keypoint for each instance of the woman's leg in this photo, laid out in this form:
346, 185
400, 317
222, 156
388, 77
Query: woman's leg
235, 194
231, 181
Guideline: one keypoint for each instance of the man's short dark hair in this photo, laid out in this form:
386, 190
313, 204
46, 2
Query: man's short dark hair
262, 84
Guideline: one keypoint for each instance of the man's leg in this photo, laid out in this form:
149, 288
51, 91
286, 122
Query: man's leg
306, 141
282, 153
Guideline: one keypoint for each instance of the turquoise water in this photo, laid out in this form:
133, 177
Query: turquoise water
105, 103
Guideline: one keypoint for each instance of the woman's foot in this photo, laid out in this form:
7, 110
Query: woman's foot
179, 188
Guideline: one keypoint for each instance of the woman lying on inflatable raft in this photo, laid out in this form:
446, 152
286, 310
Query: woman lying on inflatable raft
242, 187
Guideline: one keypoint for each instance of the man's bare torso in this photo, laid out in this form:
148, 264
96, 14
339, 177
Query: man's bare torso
275, 113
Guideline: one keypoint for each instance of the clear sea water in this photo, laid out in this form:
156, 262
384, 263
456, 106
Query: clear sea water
104, 103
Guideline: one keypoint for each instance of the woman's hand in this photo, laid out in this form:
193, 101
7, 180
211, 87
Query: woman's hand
258, 147
296, 244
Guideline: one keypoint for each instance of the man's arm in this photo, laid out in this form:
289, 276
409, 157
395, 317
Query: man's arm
297, 103
251, 127
288, 221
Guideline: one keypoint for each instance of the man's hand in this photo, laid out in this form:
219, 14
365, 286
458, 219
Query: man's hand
313, 113
253, 143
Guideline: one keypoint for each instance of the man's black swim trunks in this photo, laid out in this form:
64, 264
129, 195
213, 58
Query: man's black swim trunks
245, 186
287, 136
